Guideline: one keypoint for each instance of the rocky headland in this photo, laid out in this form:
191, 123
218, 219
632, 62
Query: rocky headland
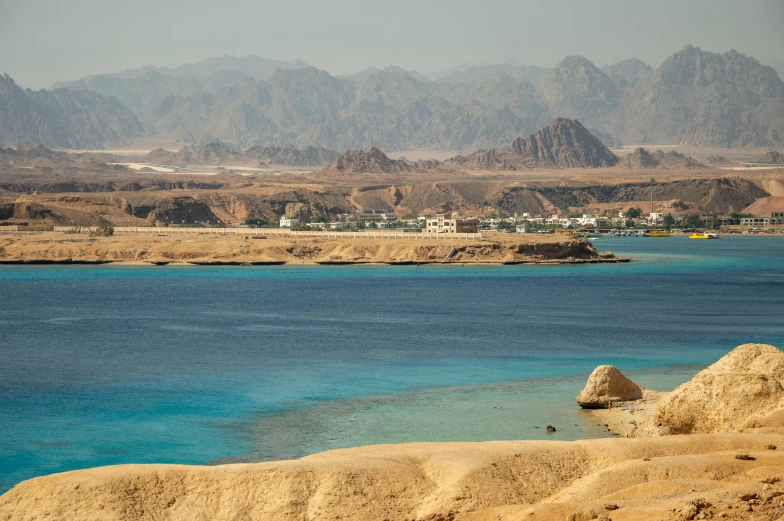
169, 247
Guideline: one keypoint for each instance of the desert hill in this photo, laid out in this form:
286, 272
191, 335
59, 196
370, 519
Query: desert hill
772, 157
373, 161
564, 143
717, 161
214, 152
764, 206
289, 156
641, 159
151, 199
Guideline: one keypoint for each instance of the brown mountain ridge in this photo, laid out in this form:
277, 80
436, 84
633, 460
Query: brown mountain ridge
564, 143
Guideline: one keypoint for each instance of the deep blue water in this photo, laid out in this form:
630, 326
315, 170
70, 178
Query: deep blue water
106, 365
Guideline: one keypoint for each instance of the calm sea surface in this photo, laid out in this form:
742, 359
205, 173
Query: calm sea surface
106, 365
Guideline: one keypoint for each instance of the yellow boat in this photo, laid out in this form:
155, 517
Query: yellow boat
704, 235
659, 233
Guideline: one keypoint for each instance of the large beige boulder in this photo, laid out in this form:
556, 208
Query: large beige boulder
741, 392
605, 386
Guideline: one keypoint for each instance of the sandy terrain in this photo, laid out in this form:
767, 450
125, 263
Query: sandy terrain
139, 166
623, 417
709, 475
626, 479
746, 168
168, 247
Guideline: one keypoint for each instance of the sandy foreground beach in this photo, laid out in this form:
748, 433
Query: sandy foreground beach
707, 450
166, 247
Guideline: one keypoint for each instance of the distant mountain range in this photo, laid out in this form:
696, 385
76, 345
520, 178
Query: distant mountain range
64, 118
145, 88
694, 97
476, 74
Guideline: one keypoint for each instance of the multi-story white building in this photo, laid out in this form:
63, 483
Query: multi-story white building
442, 224
289, 222
343, 225
375, 216
761, 221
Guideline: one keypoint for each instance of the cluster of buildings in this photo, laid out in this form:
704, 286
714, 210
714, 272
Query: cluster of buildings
526, 223
384, 220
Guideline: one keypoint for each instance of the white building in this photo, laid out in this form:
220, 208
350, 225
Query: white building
375, 216
343, 225
441, 224
289, 222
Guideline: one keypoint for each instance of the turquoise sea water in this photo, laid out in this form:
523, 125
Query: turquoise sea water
105, 365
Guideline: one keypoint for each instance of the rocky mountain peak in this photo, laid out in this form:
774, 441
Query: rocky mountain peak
640, 158
576, 88
372, 161
565, 143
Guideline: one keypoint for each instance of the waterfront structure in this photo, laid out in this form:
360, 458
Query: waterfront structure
761, 221
289, 222
441, 224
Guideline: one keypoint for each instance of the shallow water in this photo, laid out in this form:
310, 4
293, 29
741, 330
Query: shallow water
108, 364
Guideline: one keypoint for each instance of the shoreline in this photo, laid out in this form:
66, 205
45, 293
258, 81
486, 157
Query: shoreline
668, 477
97, 262
204, 250
723, 469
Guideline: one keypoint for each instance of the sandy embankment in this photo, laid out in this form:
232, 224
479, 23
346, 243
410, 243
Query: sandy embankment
703, 474
201, 249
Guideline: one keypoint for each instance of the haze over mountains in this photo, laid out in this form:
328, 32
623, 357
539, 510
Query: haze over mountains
695, 97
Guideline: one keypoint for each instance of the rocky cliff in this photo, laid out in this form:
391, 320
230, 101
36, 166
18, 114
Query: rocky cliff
739, 393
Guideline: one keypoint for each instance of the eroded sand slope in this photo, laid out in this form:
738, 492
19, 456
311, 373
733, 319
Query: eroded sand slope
694, 476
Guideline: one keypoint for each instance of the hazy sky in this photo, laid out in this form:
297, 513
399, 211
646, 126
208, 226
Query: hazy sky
45, 41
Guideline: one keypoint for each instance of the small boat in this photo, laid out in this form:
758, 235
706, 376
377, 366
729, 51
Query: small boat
659, 233
704, 235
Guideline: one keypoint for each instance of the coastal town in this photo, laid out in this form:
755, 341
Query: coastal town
632, 221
